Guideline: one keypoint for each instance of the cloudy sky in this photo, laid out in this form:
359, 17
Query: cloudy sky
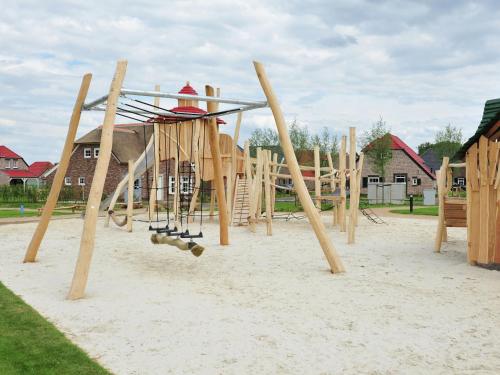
419, 64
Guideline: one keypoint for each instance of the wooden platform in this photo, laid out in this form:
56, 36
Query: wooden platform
455, 212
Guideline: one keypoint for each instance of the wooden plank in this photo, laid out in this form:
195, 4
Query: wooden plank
300, 186
62, 167
484, 194
130, 195
81, 273
317, 176
440, 177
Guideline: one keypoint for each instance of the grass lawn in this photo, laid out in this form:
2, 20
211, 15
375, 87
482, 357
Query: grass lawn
429, 210
15, 213
31, 345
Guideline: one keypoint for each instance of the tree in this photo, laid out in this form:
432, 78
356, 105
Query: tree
423, 147
448, 141
376, 144
264, 137
299, 136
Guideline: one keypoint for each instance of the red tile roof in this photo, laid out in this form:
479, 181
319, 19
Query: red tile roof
398, 144
188, 90
6, 152
39, 167
18, 173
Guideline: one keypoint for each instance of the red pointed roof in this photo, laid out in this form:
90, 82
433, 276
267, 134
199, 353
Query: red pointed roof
18, 173
188, 90
39, 167
6, 152
398, 144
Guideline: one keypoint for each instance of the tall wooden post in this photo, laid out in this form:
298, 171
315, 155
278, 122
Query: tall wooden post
300, 186
153, 197
130, 195
317, 177
353, 181
213, 137
441, 187
274, 170
55, 189
267, 193
80, 276
342, 175
358, 185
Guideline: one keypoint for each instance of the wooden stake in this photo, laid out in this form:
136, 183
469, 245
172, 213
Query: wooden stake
352, 186
484, 196
342, 175
57, 183
273, 183
441, 185
267, 191
358, 185
130, 195
217, 164
317, 177
80, 276
300, 186
153, 197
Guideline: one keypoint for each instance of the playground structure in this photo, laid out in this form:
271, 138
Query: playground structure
262, 172
164, 123
478, 212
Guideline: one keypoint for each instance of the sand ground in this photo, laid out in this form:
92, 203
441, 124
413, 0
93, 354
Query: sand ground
267, 305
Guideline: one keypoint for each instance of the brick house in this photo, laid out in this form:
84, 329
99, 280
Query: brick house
15, 171
406, 166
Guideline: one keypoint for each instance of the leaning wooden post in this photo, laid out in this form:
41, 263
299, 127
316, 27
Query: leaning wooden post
300, 186
130, 195
153, 198
353, 180
81, 274
217, 164
441, 186
57, 183
317, 177
342, 175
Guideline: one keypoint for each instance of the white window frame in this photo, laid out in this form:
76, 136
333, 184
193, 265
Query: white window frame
96, 152
414, 181
67, 181
85, 156
8, 163
373, 179
81, 181
396, 176
14, 164
461, 181
171, 184
186, 185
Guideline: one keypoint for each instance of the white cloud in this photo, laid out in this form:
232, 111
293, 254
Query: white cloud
336, 64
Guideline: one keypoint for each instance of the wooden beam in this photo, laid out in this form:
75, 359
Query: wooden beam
342, 174
80, 276
353, 180
213, 138
441, 185
299, 184
484, 195
62, 167
130, 195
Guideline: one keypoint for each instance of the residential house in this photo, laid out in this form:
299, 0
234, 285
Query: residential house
15, 171
405, 167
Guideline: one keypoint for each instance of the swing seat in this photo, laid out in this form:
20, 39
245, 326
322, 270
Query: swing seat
195, 249
116, 220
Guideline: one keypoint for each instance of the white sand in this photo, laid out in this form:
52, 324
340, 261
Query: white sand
267, 305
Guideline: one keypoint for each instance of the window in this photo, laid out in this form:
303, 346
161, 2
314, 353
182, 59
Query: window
67, 181
87, 153
364, 182
400, 178
81, 181
14, 163
171, 184
373, 179
8, 163
461, 181
186, 185
137, 184
96, 152
414, 181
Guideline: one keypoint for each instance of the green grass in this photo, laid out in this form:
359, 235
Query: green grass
429, 210
31, 345
15, 213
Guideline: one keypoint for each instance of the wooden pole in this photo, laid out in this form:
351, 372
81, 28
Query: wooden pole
317, 177
55, 189
473, 212
217, 164
358, 185
441, 186
211, 211
300, 186
153, 197
483, 256
342, 174
130, 195
80, 276
353, 180
267, 192
273, 183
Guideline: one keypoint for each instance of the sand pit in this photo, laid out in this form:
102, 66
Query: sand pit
267, 305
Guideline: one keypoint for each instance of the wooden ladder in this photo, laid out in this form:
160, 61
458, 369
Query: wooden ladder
241, 203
